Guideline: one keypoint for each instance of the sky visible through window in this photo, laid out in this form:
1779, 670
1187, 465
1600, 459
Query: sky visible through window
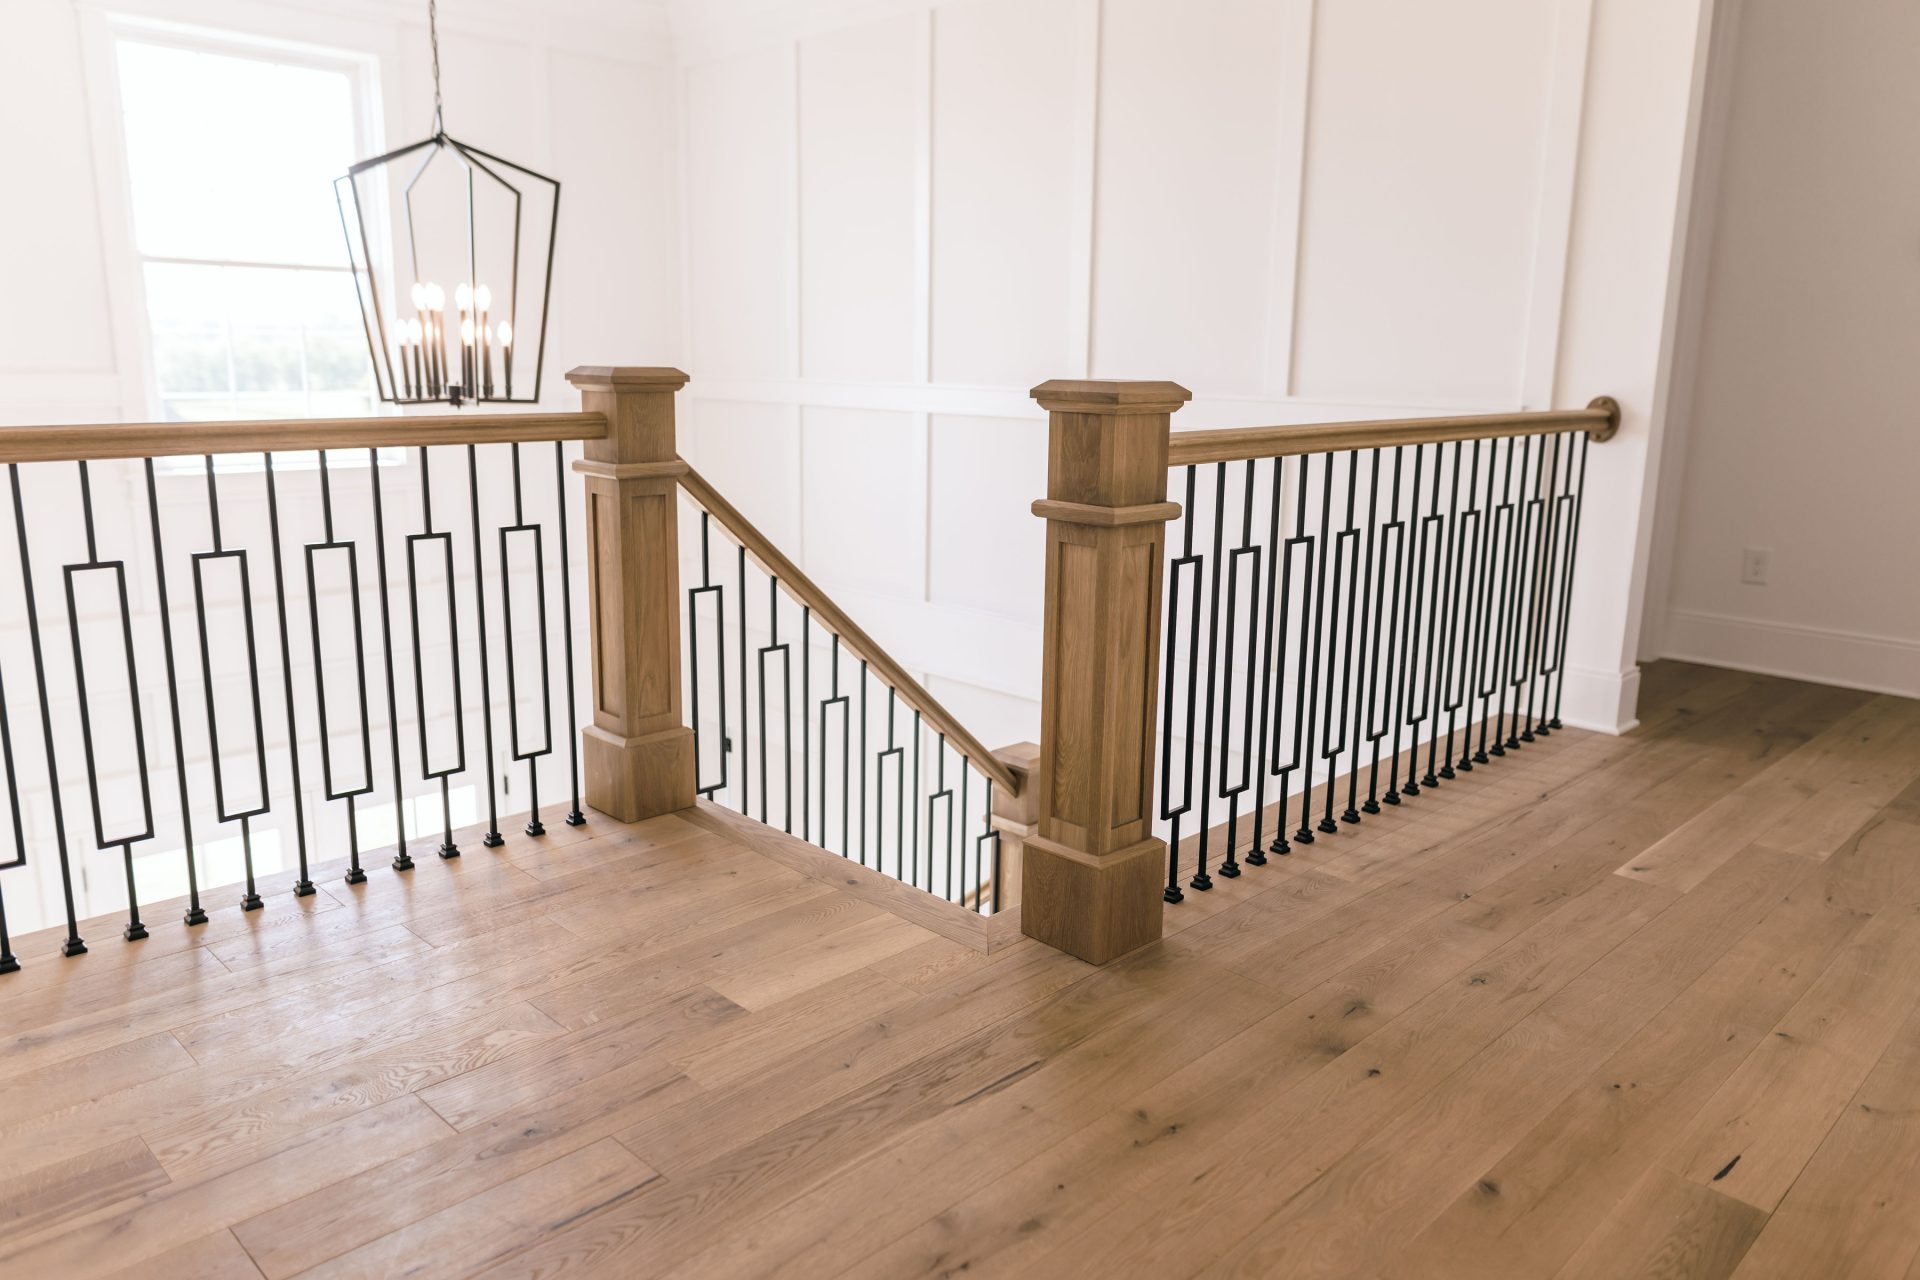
231, 161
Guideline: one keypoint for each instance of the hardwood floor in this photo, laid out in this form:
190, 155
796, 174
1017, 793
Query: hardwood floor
1617, 1007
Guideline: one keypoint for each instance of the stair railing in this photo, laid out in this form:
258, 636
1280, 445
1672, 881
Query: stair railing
1322, 588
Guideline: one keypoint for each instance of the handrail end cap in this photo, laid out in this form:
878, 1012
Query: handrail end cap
1611, 407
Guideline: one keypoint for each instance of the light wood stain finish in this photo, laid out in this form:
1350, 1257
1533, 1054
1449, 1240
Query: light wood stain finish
1466, 1038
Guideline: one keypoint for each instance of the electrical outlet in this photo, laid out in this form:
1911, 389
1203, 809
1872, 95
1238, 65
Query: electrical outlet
1753, 566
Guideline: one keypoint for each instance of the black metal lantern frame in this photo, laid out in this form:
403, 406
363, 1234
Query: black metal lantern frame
416, 359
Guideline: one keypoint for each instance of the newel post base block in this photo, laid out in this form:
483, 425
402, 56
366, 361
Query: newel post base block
629, 779
637, 755
1092, 870
1094, 906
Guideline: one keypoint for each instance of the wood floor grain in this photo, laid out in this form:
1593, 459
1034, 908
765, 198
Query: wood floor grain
1614, 1007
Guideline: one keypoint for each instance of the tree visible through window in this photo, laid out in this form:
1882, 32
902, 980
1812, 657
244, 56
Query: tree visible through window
231, 159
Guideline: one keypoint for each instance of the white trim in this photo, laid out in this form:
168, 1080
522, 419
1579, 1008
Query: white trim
1602, 701
923, 198
1289, 193
1823, 655
1553, 214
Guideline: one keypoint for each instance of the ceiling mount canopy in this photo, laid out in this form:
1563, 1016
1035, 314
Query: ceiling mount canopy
452, 254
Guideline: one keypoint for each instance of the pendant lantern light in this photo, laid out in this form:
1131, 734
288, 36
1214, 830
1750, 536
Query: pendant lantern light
452, 254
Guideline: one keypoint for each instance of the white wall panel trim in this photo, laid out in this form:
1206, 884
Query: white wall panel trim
1289, 198
1553, 218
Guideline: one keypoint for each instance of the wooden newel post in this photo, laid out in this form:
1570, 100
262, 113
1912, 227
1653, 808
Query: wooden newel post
638, 753
1092, 876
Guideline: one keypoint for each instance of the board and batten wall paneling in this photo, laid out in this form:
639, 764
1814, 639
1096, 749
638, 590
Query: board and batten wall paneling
1003, 191
1421, 198
1188, 134
863, 474
857, 138
1303, 210
741, 231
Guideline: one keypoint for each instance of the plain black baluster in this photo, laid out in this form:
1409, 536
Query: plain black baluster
746, 794
402, 860
863, 769
806, 714
304, 886
73, 945
492, 839
196, 914
575, 817
135, 930
1212, 659
917, 736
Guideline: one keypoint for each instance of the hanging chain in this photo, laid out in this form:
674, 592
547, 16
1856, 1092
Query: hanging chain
433, 39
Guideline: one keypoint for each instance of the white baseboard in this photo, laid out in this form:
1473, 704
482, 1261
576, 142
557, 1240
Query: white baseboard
1603, 701
1850, 659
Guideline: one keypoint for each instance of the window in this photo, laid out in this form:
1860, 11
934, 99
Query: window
231, 156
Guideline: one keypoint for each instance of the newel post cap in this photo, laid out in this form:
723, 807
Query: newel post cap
1110, 396
607, 377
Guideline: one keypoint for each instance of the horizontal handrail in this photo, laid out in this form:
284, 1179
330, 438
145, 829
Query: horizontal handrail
835, 619
1600, 420
98, 441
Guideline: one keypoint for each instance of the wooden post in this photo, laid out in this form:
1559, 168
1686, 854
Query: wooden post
1016, 818
1092, 876
638, 754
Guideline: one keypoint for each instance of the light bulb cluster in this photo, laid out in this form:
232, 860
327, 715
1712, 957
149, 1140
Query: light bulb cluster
420, 345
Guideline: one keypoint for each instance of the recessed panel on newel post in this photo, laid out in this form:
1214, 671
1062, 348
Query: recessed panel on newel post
1092, 872
638, 754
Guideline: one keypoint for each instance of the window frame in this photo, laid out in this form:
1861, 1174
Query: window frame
127, 262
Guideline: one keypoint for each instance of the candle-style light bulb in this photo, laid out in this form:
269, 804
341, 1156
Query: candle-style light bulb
463, 295
482, 298
419, 295
466, 332
506, 334
436, 297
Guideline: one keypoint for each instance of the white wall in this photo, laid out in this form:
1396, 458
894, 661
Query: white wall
1801, 353
901, 215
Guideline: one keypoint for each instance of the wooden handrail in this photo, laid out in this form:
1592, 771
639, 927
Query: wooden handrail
1600, 420
190, 439
835, 619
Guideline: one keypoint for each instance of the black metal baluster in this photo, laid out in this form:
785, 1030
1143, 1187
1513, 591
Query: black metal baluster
863, 769
1525, 587
459, 764
917, 736
1167, 812
134, 930
1566, 589
1256, 851
10, 963
940, 792
1212, 658
304, 887
1413, 670
1368, 616
1311, 702
836, 698
350, 794
968, 886
492, 839
531, 756
746, 794
575, 817
196, 914
201, 559
74, 945
1466, 586
806, 714
880, 798
1444, 586
1450, 645
1345, 551
402, 860
1510, 597
1307, 545
1549, 551
708, 586
1231, 868
1493, 649
786, 709
1384, 667
993, 833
